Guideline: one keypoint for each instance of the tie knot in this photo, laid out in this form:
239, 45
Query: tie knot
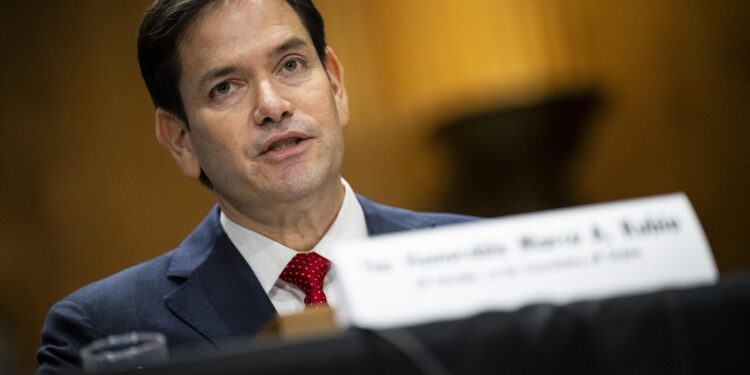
307, 271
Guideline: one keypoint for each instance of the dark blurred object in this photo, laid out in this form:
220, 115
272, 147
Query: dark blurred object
5, 357
130, 351
694, 331
516, 159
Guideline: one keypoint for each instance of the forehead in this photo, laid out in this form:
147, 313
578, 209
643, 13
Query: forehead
231, 28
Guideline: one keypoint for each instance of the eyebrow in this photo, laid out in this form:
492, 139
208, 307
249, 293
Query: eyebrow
216, 73
290, 44
287, 46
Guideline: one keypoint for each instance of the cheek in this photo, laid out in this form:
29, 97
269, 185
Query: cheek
216, 140
317, 96
320, 107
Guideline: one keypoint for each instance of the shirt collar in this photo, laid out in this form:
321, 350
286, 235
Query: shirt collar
267, 258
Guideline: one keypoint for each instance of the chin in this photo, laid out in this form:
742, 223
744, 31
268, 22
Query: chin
298, 187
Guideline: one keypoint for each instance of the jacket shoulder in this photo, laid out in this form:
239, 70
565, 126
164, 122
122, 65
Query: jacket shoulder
100, 308
148, 274
382, 219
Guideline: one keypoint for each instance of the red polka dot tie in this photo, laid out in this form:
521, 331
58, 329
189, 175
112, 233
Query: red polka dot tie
307, 272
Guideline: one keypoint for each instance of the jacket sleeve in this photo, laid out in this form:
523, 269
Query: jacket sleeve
68, 328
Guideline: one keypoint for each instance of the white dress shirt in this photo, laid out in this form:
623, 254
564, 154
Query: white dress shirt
267, 258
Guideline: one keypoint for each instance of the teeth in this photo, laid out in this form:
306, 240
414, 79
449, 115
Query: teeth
283, 144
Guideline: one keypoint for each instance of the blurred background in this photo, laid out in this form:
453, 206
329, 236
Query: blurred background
490, 107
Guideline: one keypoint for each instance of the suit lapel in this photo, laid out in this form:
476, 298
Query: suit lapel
220, 296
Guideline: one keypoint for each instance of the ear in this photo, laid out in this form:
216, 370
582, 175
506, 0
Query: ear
174, 135
336, 76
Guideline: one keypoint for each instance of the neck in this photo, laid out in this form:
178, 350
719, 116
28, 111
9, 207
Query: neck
298, 225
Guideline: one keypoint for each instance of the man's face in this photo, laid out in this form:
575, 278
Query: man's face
265, 117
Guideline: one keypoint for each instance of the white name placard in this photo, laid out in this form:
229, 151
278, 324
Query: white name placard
557, 256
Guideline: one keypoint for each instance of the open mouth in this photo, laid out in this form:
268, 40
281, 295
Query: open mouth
284, 144
281, 145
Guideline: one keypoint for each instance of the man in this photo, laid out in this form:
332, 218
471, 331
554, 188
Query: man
251, 101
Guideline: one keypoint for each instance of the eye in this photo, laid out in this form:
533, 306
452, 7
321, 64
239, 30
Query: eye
221, 89
291, 65
294, 67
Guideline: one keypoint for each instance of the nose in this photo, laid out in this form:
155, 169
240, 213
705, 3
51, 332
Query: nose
271, 105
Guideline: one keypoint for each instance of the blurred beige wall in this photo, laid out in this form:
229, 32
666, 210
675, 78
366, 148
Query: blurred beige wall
87, 191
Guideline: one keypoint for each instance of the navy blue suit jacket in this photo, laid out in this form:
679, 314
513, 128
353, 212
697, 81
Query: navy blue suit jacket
202, 292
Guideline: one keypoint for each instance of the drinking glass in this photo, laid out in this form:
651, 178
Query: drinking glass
127, 351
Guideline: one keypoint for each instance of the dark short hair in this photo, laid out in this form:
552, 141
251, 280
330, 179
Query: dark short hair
162, 28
